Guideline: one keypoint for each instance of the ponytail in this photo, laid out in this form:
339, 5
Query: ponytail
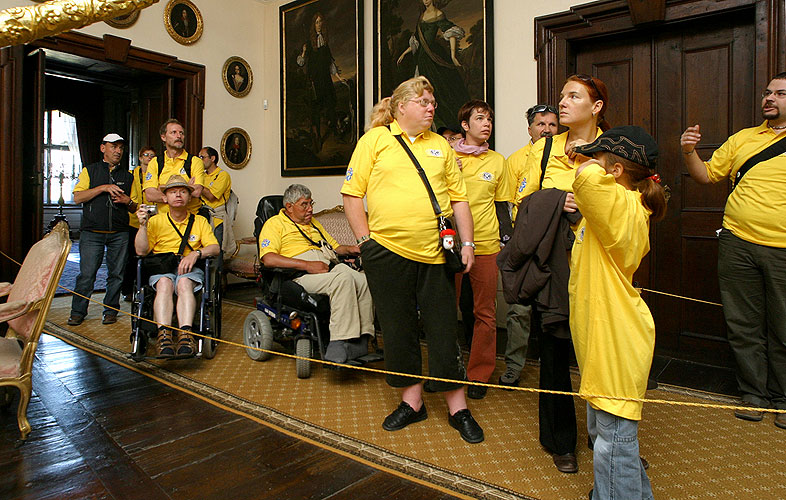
643, 180
381, 114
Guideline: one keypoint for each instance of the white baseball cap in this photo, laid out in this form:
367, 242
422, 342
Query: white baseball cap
113, 138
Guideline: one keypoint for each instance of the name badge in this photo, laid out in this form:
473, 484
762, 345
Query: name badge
436, 153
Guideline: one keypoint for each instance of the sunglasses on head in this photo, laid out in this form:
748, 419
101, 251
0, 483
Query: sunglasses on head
591, 81
542, 108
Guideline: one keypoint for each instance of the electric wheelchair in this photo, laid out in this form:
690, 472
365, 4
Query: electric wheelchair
287, 314
207, 317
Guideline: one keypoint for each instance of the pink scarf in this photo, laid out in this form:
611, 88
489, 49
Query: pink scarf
463, 148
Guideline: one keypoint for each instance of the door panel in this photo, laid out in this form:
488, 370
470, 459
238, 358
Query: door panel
701, 72
33, 159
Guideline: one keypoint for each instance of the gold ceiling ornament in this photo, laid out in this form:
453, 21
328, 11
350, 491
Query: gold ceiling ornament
19, 25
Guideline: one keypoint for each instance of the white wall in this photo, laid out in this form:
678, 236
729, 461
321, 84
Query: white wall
249, 29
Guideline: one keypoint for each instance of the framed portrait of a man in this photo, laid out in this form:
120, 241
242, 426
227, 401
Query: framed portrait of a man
236, 148
321, 85
450, 42
237, 76
183, 21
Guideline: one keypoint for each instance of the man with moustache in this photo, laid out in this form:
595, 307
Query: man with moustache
752, 249
542, 120
104, 191
174, 161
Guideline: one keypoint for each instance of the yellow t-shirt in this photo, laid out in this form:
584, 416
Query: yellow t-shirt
487, 181
175, 166
280, 235
612, 328
137, 195
162, 238
400, 215
219, 183
559, 169
756, 209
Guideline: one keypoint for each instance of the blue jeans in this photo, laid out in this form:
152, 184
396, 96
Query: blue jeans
617, 467
91, 256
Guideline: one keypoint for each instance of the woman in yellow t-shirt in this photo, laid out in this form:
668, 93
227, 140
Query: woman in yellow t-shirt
401, 251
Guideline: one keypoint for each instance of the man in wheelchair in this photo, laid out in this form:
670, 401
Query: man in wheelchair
293, 240
176, 241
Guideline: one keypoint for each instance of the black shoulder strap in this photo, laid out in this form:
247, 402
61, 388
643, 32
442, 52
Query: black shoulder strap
184, 237
765, 154
305, 235
423, 177
544, 161
187, 166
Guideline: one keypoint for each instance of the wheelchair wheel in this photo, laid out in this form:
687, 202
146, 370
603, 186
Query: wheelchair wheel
258, 333
209, 346
303, 350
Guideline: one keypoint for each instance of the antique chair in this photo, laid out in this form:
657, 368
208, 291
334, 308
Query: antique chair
29, 298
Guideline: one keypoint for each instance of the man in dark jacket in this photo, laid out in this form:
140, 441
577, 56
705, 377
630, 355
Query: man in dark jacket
104, 191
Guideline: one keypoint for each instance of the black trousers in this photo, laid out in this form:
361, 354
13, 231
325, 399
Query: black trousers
557, 414
129, 274
400, 288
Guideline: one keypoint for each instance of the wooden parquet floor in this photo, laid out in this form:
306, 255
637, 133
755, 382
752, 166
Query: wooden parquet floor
103, 431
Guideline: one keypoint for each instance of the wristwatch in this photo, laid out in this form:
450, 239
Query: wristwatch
468, 244
363, 239
200, 254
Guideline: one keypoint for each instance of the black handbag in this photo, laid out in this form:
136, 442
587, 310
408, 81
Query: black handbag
453, 261
167, 262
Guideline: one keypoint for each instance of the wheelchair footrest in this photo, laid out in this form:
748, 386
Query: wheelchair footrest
371, 357
164, 358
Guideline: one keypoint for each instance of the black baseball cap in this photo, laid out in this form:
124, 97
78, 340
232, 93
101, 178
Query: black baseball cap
629, 142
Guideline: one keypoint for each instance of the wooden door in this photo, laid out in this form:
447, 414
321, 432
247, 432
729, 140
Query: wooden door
33, 107
664, 80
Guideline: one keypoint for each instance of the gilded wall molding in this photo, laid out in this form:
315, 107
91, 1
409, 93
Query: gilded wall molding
19, 25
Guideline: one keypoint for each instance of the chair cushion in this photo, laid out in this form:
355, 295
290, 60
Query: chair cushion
10, 357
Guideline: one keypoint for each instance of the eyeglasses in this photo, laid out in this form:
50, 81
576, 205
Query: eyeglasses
541, 108
202, 157
305, 204
148, 155
425, 102
780, 94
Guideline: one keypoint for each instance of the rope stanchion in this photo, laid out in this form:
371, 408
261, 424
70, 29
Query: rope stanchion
435, 379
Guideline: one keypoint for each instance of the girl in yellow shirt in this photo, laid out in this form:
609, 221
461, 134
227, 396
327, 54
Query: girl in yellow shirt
612, 328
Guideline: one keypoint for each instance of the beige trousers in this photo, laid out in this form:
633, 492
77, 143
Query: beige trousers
351, 308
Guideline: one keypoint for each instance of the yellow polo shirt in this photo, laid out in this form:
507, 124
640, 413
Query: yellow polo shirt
280, 235
756, 209
219, 183
515, 165
612, 329
175, 166
137, 195
487, 181
559, 169
162, 238
400, 215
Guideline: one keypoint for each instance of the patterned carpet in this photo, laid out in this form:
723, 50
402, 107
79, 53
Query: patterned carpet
694, 452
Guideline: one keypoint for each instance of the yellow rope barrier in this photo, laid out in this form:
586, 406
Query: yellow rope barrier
426, 377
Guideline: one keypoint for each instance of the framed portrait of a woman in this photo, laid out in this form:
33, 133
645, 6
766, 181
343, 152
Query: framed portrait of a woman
321, 85
450, 42
237, 76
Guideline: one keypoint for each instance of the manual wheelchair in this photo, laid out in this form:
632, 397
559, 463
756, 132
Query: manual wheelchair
207, 317
288, 315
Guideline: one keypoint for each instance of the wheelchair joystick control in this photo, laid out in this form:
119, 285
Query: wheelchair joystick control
305, 297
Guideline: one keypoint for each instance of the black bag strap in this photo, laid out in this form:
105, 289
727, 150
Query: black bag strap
765, 154
544, 161
184, 238
434, 203
305, 235
186, 165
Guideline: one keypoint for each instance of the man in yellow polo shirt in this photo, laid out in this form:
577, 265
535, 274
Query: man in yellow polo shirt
176, 162
218, 184
752, 250
293, 239
542, 122
163, 233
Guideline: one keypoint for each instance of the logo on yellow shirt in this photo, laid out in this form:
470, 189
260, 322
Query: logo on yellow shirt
523, 185
192, 237
436, 153
349, 174
487, 176
264, 243
148, 176
580, 235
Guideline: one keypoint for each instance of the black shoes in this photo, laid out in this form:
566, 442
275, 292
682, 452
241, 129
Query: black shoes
476, 391
109, 319
75, 320
403, 416
567, 463
469, 429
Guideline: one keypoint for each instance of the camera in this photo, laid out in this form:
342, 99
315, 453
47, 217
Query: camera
150, 209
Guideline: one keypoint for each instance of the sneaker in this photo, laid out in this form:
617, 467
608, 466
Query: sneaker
403, 416
476, 391
75, 320
469, 429
510, 378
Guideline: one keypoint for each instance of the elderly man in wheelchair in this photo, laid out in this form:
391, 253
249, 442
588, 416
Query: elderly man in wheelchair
177, 241
292, 239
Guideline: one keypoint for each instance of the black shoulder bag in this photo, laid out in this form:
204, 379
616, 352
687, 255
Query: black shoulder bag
771, 151
166, 263
453, 262
544, 161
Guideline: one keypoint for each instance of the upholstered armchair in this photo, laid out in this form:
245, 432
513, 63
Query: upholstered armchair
25, 311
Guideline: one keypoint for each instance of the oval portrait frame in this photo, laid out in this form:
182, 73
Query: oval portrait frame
173, 29
229, 162
225, 76
123, 21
